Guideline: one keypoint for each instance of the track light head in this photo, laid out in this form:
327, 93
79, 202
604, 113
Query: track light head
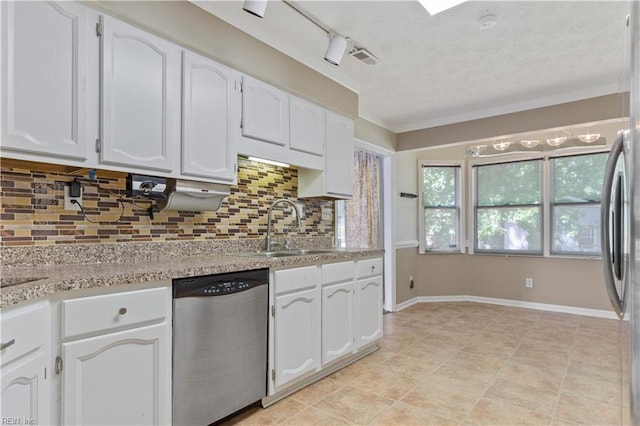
336, 49
255, 7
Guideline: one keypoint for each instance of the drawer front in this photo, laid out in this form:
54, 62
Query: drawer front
104, 312
338, 272
369, 267
296, 279
23, 330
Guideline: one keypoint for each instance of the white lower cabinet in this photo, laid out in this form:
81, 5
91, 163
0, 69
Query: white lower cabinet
116, 358
118, 378
369, 301
24, 353
297, 325
338, 326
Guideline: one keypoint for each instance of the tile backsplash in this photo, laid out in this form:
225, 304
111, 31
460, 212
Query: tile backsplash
32, 210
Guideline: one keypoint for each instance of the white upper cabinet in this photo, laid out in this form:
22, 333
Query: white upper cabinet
44, 80
140, 89
307, 132
265, 112
210, 112
339, 156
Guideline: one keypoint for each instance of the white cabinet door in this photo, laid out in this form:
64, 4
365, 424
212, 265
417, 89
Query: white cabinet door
297, 334
210, 115
25, 395
118, 378
140, 89
307, 121
339, 156
369, 310
44, 87
338, 321
265, 112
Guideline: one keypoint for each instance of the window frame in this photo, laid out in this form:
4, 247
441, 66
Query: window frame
552, 204
542, 204
460, 207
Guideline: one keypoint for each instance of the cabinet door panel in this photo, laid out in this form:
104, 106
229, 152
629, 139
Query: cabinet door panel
210, 110
297, 335
337, 321
307, 127
118, 378
339, 156
44, 55
265, 112
24, 391
139, 114
369, 310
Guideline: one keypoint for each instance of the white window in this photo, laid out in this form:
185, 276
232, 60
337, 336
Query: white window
440, 208
508, 207
576, 193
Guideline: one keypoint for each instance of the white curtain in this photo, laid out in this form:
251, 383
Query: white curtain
362, 227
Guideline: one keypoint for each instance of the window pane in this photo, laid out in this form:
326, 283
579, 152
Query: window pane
576, 229
439, 186
509, 183
441, 229
509, 229
579, 178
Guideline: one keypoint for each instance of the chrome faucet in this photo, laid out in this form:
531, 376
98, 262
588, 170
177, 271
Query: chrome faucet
268, 243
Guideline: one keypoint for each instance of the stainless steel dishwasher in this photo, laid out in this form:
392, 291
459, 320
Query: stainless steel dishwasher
219, 344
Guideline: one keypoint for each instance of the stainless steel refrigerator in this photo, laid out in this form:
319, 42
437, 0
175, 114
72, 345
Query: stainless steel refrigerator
621, 232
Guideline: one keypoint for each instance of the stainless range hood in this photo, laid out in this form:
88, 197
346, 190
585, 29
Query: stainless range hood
193, 196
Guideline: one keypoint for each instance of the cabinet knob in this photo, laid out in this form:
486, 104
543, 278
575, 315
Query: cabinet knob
4, 346
373, 268
122, 311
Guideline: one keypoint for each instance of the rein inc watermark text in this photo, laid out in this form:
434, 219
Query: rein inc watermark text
17, 421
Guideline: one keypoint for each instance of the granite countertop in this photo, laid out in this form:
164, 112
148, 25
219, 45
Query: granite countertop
52, 279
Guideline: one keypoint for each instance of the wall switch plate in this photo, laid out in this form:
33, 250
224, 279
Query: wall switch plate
528, 282
67, 200
327, 214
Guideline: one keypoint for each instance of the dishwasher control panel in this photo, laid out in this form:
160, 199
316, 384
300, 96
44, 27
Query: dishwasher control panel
219, 285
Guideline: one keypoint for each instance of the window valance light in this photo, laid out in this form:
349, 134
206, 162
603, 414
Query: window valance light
504, 146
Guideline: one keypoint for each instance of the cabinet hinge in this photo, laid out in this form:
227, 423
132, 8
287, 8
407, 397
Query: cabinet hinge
98, 145
273, 311
273, 375
241, 88
241, 122
45, 373
59, 364
98, 29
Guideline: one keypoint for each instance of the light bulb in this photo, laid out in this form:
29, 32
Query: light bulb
589, 137
501, 146
557, 141
529, 143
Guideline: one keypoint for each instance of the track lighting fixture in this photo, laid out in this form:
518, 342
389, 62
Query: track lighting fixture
255, 7
336, 49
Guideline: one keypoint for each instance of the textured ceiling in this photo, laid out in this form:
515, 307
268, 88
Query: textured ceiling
442, 69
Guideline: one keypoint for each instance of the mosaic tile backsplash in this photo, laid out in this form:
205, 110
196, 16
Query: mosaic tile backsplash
32, 210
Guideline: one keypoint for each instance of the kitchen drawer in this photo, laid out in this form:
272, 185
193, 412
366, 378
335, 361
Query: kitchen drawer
369, 267
109, 311
296, 279
338, 272
27, 327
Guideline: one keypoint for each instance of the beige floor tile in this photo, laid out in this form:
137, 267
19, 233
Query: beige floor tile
602, 372
487, 412
556, 361
426, 351
596, 355
403, 414
346, 375
584, 387
534, 345
587, 412
453, 402
272, 415
315, 392
534, 376
385, 383
354, 405
377, 358
408, 366
486, 364
312, 416
533, 398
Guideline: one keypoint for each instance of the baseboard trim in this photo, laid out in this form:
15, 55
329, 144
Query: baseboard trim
506, 302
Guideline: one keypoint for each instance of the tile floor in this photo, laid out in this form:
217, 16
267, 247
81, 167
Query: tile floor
469, 363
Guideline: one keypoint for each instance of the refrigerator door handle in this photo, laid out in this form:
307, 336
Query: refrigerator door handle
605, 212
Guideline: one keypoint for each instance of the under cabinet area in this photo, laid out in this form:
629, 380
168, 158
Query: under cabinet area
24, 359
116, 358
338, 310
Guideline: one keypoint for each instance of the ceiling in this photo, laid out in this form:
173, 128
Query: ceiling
443, 69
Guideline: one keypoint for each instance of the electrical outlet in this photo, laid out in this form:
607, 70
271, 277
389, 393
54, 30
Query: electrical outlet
528, 282
327, 214
68, 205
410, 281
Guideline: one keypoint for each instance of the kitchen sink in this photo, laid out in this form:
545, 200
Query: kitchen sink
285, 253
